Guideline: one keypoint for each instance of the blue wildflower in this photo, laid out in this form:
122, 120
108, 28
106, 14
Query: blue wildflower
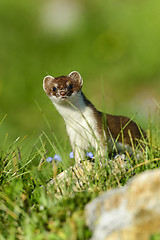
49, 159
57, 157
71, 155
89, 154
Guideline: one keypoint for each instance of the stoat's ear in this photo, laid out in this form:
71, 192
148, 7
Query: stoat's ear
47, 81
76, 77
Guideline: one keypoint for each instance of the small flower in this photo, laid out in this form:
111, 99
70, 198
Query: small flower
71, 155
89, 154
41, 207
49, 159
57, 157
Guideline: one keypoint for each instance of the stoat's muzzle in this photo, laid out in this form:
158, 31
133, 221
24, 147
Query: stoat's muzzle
62, 93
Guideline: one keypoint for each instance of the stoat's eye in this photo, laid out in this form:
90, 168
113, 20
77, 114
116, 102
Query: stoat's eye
70, 86
54, 89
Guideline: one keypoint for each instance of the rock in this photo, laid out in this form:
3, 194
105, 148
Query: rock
128, 213
75, 176
78, 177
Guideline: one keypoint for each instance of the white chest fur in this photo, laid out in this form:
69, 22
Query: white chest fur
81, 125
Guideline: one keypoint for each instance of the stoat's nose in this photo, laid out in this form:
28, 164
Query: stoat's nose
62, 93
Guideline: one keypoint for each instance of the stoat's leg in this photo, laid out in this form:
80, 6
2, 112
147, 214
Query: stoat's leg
79, 154
101, 146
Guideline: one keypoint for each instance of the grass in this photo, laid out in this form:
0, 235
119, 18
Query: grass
31, 209
121, 47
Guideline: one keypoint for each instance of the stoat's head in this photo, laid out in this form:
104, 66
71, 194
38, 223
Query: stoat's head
64, 87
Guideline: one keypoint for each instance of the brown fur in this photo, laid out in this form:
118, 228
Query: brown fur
117, 127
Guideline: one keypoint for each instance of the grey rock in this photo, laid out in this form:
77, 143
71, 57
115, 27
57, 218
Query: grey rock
128, 213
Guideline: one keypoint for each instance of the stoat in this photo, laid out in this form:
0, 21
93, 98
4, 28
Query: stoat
85, 125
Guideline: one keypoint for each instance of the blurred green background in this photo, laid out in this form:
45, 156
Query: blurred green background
115, 45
